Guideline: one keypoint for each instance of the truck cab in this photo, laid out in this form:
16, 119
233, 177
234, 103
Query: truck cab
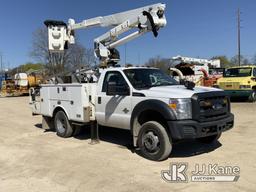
239, 82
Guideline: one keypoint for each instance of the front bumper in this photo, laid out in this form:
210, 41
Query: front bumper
191, 129
238, 93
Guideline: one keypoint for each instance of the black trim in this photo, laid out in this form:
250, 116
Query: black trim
99, 100
54, 23
151, 20
136, 94
199, 114
154, 105
191, 129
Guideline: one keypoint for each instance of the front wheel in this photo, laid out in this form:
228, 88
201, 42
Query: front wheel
209, 139
154, 142
62, 125
252, 97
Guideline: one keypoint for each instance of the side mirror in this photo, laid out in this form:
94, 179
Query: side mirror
188, 84
114, 89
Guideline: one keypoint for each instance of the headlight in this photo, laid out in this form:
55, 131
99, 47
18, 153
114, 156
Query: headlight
245, 86
182, 108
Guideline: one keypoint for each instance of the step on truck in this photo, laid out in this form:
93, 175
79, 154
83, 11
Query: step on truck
155, 108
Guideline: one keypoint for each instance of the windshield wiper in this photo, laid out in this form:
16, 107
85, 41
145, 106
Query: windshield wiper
143, 87
163, 84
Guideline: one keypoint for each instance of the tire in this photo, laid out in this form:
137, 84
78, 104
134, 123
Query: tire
62, 125
77, 130
209, 139
154, 142
252, 97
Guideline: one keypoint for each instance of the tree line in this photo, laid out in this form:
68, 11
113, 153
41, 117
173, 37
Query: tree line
77, 56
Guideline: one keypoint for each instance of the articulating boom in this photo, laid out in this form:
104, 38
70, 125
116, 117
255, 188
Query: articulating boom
145, 19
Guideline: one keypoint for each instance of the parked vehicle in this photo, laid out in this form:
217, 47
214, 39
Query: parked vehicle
207, 80
152, 105
239, 82
210, 79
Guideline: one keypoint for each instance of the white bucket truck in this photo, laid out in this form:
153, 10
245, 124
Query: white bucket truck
156, 109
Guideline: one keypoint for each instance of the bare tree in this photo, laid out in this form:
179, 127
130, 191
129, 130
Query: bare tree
40, 46
74, 57
90, 59
254, 60
159, 62
243, 60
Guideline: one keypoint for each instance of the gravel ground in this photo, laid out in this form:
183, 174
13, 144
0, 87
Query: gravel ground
33, 159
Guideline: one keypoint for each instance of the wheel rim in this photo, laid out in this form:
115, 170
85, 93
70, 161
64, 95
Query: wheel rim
151, 142
61, 126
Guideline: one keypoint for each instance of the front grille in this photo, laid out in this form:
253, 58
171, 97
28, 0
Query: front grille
229, 85
210, 106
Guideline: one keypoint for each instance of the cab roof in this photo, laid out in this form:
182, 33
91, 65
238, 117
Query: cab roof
242, 66
123, 68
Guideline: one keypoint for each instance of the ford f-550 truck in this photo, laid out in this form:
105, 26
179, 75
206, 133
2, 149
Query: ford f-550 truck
156, 109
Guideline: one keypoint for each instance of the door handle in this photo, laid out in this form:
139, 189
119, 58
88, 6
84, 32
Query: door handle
99, 100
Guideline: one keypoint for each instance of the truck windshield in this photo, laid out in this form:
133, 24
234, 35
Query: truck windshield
147, 78
238, 72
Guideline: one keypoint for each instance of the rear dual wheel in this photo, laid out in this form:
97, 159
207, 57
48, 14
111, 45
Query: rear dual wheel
62, 125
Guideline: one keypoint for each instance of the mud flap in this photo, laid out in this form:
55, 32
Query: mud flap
47, 123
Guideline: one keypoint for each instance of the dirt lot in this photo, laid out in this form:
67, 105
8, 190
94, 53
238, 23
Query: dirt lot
34, 160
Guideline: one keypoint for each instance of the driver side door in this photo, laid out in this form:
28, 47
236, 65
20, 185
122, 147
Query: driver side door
114, 110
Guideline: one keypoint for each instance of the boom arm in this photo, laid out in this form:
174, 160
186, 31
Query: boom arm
145, 19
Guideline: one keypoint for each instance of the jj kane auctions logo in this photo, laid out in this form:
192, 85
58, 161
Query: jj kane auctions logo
201, 173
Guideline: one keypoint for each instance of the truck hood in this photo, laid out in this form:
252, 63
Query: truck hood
175, 91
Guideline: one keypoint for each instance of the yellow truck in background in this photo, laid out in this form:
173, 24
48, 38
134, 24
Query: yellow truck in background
239, 82
20, 84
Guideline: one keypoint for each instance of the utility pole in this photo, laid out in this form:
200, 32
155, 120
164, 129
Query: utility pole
139, 58
125, 53
238, 36
1, 60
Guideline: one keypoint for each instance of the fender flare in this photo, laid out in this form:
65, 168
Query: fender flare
153, 105
57, 108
